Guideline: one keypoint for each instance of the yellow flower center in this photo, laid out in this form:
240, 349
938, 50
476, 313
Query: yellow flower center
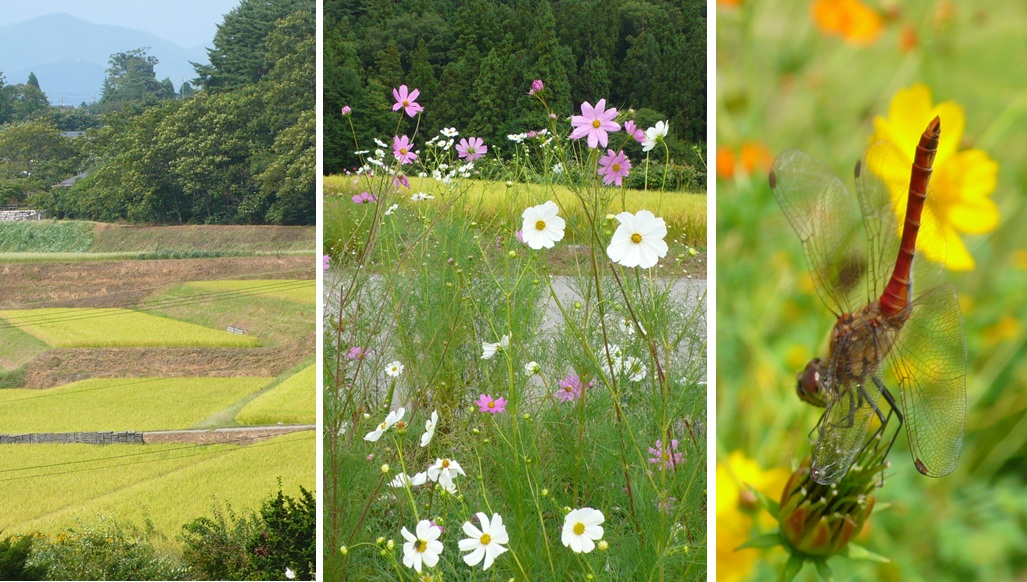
400, 424
381, 426
406, 102
403, 151
540, 225
421, 546
636, 238
616, 167
568, 388
579, 528
596, 123
445, 463
485, 539
492, 404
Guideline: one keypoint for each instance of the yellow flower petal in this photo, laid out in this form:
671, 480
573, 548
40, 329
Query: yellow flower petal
961, 182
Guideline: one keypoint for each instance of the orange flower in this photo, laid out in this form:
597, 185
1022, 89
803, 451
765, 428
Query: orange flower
755, 157
725, 163
908, 39
849, 19
729, 3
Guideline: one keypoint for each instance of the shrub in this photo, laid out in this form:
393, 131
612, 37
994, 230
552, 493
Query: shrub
14, 553
216, 548
105, 551
288, 539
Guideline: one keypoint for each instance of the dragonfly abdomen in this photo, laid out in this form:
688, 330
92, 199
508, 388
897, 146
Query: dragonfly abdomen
896, 295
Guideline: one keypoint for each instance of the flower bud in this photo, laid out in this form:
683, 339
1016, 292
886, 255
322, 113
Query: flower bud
820, 520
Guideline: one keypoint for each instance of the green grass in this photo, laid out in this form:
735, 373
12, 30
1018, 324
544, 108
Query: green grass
193, 238
119, 404
19, 347
300, 291
48, 487
108, 328
45, 236
290, 402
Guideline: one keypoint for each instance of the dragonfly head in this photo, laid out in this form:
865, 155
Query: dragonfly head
809, 386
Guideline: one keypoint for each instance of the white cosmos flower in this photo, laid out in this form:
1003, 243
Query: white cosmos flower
488, 350
442, 471
402, 480
542, 227
380, 143
633, 367
290, 574
628, 326
394, 369
449, 132
638, 241
429, 428
419, 196
390, 421
581, 528
391, 209
342, 429
423, 548
532, 368
655, 135
484, 543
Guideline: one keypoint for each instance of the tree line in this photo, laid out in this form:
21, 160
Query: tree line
474, 62
237, 145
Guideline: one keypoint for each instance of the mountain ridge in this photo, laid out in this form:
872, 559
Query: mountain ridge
69, 56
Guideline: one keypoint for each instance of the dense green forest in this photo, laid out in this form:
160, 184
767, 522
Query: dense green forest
237, 145
473, 62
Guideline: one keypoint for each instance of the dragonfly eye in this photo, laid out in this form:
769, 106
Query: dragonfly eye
808, 385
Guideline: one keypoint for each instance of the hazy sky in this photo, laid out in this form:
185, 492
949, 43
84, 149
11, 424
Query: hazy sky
185, 22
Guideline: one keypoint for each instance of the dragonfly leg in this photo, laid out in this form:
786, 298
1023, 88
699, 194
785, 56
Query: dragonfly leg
894, 409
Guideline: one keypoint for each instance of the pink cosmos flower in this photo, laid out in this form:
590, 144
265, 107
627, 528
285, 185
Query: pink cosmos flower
364, 198
666, 457
491, 405
401, 180
570, 388
613, 167
637, 133
471, 149
536, 86
346, 110
594, 122
520, 236
355, 352
403, 149
405, 101
327, 260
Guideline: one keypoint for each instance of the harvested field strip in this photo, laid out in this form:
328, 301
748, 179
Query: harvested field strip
300, 291
119, 404
49, 487
119, 283
291, 402
110, 328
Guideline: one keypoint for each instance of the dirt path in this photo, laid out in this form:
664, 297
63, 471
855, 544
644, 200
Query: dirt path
242, 435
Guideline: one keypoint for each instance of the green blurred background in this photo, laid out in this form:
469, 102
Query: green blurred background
784, 82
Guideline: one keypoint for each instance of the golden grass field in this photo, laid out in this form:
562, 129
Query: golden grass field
291, 402
120, 404
81, 327
300, 291
47, 488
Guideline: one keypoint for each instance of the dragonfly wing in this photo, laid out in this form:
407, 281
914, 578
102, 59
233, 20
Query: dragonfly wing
842, 432
882, 187
928, 363
824, 215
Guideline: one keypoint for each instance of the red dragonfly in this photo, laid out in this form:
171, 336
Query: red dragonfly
896, 314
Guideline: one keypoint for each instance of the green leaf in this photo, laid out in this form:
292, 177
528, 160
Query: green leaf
764, 541
792, 567
769, 504
855, 552
824, 571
